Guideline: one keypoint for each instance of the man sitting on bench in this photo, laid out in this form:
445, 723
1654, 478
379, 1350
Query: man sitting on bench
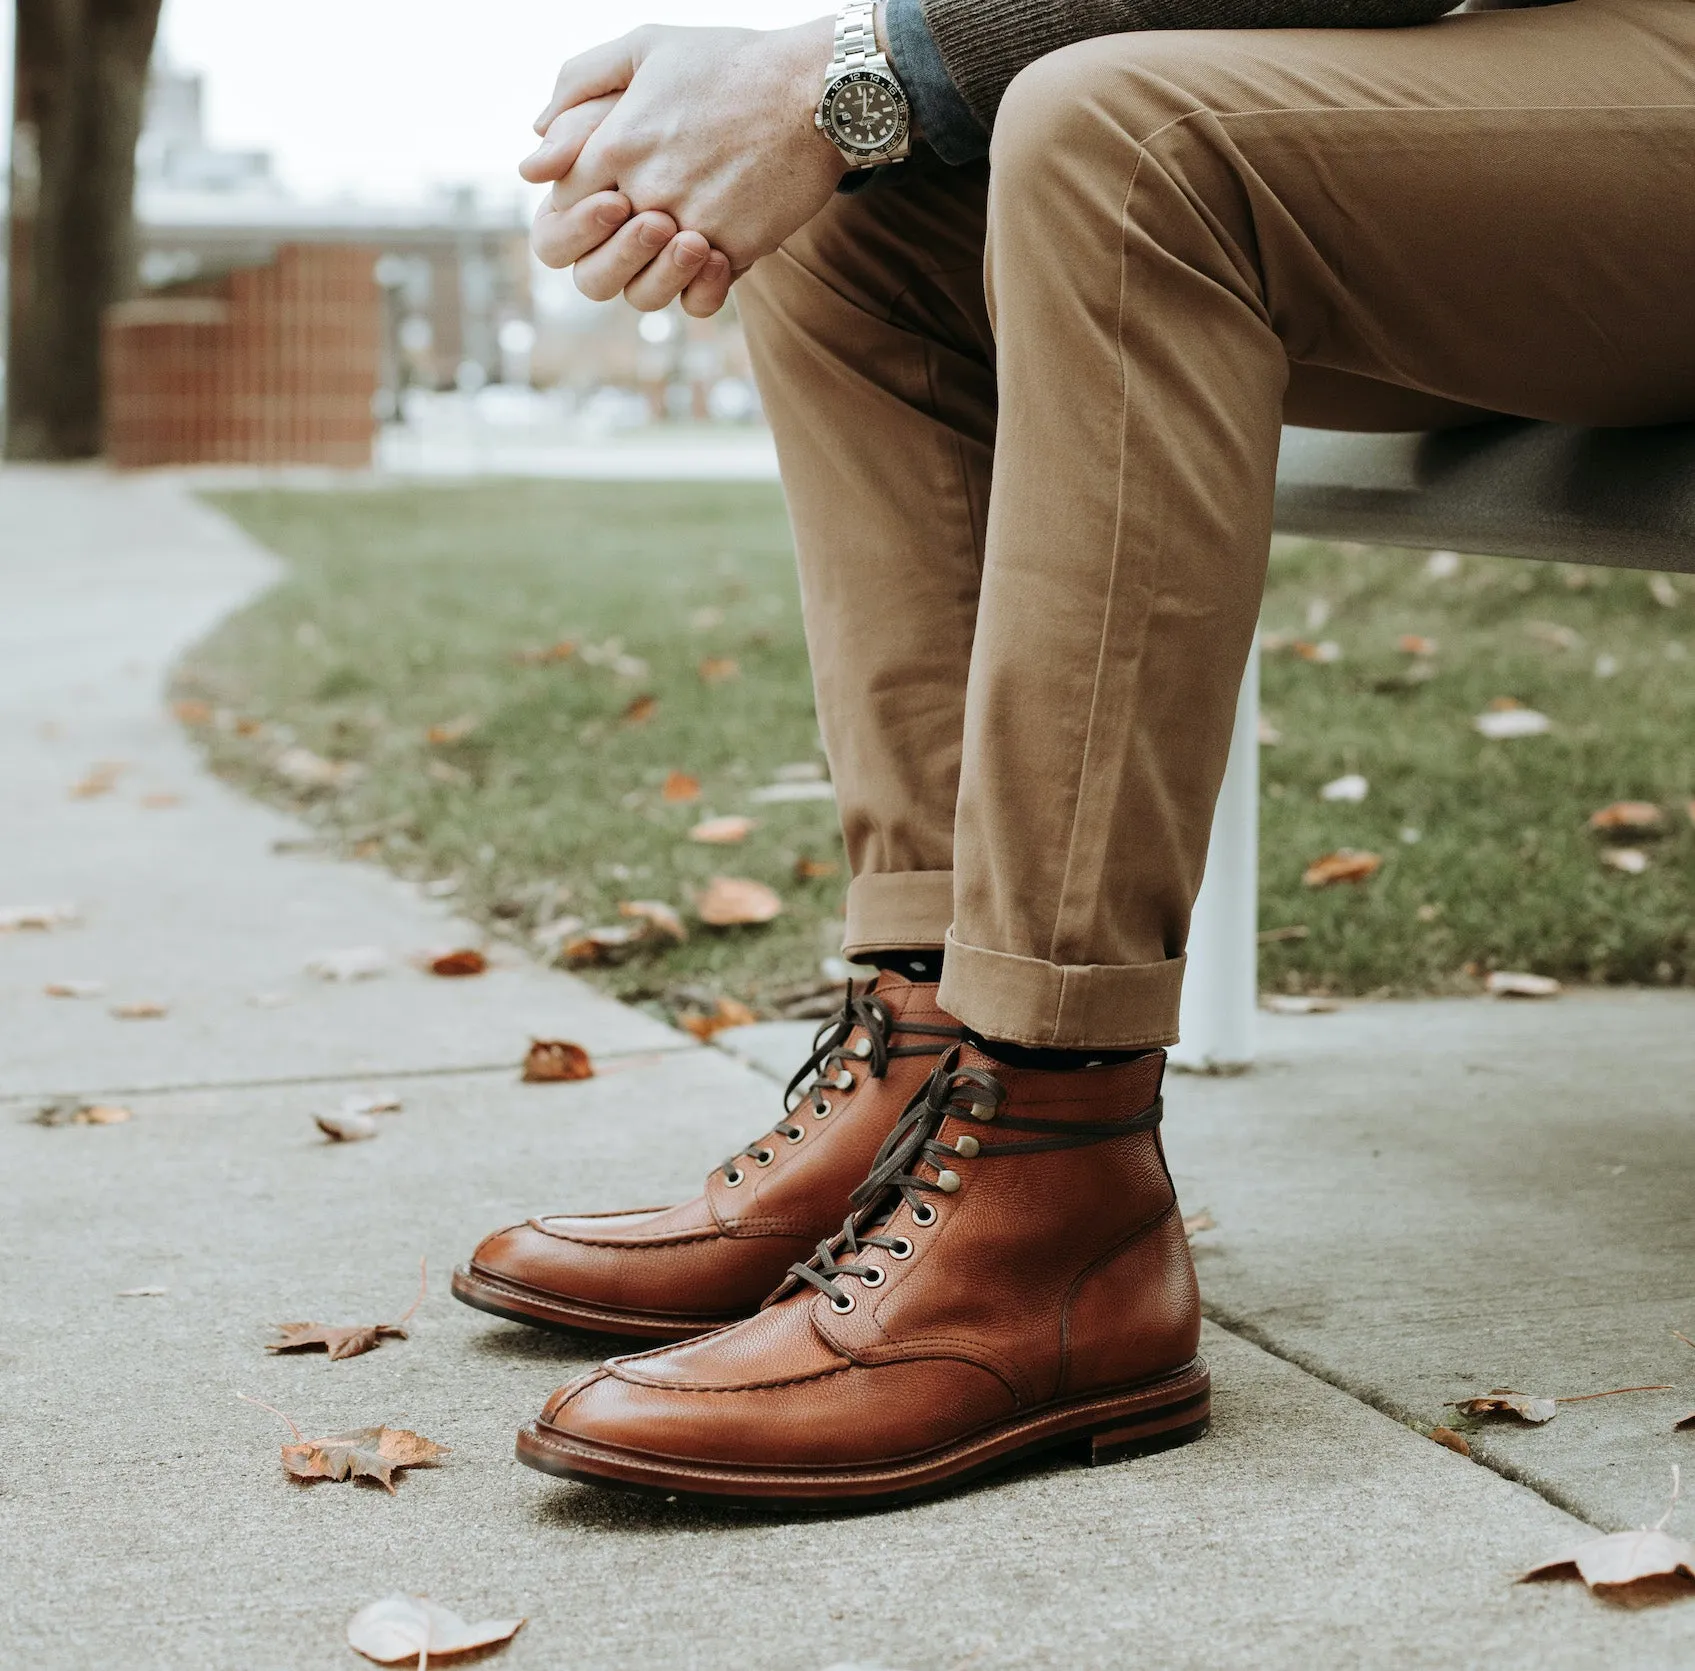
1026, 389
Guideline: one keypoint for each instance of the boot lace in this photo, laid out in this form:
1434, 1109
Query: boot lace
826, 1069
894, 1180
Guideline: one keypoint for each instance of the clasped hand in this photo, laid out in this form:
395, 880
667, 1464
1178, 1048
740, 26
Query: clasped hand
678, 157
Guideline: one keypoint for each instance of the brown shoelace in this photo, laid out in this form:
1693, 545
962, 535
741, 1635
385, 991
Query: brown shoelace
826, 1068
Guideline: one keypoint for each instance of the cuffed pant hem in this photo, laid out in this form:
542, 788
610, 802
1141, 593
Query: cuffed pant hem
1064, 1006
898, 910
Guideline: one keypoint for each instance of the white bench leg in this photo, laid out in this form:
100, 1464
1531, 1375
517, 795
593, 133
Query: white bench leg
1221, 989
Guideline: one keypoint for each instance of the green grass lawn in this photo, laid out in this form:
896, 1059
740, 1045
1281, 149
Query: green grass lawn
412, 608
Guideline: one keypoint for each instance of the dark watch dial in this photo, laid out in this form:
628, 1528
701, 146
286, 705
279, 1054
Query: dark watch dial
864, 113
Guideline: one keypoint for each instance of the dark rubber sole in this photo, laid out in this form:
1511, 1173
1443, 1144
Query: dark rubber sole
518, 1304
1136, 1421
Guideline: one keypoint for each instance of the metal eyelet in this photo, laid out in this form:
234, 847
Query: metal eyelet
967, 1145
874, 1275
797, 1134
842, 1303
924, 1214
862, 1049
902, 1248
823, 1111
947, 1182
843, 1081
731, 1179
764, 1157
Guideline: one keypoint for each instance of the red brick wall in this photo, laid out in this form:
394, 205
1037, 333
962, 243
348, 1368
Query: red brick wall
265, 365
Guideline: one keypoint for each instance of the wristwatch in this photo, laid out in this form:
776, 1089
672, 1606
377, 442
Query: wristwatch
863, 112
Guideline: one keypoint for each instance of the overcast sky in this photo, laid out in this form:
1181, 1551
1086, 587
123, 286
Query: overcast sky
392, 95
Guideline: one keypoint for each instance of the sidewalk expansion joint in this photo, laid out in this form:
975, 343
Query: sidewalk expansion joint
1243, 1329
618, 1061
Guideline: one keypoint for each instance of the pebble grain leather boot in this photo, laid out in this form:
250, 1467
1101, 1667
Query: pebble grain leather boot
1015, 1278
666, 1273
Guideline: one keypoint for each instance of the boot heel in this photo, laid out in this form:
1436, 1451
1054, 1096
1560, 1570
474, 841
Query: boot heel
1156, 1431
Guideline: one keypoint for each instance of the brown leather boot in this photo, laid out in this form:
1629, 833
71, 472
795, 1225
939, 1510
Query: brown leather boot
670, 1272
1016, 1278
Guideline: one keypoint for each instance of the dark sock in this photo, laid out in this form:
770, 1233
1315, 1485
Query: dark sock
920, 965
1049, 1061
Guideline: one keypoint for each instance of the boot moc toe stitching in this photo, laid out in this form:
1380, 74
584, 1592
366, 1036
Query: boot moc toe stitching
555, 1406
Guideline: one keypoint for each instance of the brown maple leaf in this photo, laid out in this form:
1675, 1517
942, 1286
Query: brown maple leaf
347, 1341
1450, 1440
1343, 866
466, 961
362, 1453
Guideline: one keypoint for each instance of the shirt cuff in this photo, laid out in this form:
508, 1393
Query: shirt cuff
944, 118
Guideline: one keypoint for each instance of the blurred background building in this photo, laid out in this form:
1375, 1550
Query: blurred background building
275, 326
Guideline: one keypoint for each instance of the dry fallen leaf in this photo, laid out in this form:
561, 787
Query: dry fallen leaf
74, 989
1502, 724
1345, 865
190, 712
306, 770
35, 918
722, 831
466, 961
346, 1128
1416, 644
718, 670
640, 710
347, 1341
1447, 1437
603, 945
372, 1453
82, 1114
101, 780
372, 1102
1534, 1408
562, 651
726, 1013
1619, 1558
141, 1009
403, 1627
731, 901
1515, 983
551, 1060
451, 730
1195, 1223
1328, 651
1504, 1402
1629, 818
1631, 860
659, 921
681, 786
813, 870
351, 963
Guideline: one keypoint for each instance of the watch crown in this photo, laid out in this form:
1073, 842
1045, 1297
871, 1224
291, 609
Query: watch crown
818, 118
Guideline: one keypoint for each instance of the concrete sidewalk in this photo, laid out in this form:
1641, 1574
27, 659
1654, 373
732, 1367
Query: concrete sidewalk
1413, 1202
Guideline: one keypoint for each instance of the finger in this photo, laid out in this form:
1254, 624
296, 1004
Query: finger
602, 69
603, 272
664, 278
709, 289
562, 236
566, 135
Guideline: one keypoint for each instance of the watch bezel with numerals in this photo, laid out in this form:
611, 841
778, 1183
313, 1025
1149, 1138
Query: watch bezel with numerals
892, 149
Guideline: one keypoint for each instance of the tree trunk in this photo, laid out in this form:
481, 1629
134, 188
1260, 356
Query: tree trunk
80, 87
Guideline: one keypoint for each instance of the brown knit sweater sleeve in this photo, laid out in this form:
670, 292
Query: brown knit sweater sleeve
985, 43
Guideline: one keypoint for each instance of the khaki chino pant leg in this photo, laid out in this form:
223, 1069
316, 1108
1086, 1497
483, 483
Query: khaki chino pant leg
1187, 235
